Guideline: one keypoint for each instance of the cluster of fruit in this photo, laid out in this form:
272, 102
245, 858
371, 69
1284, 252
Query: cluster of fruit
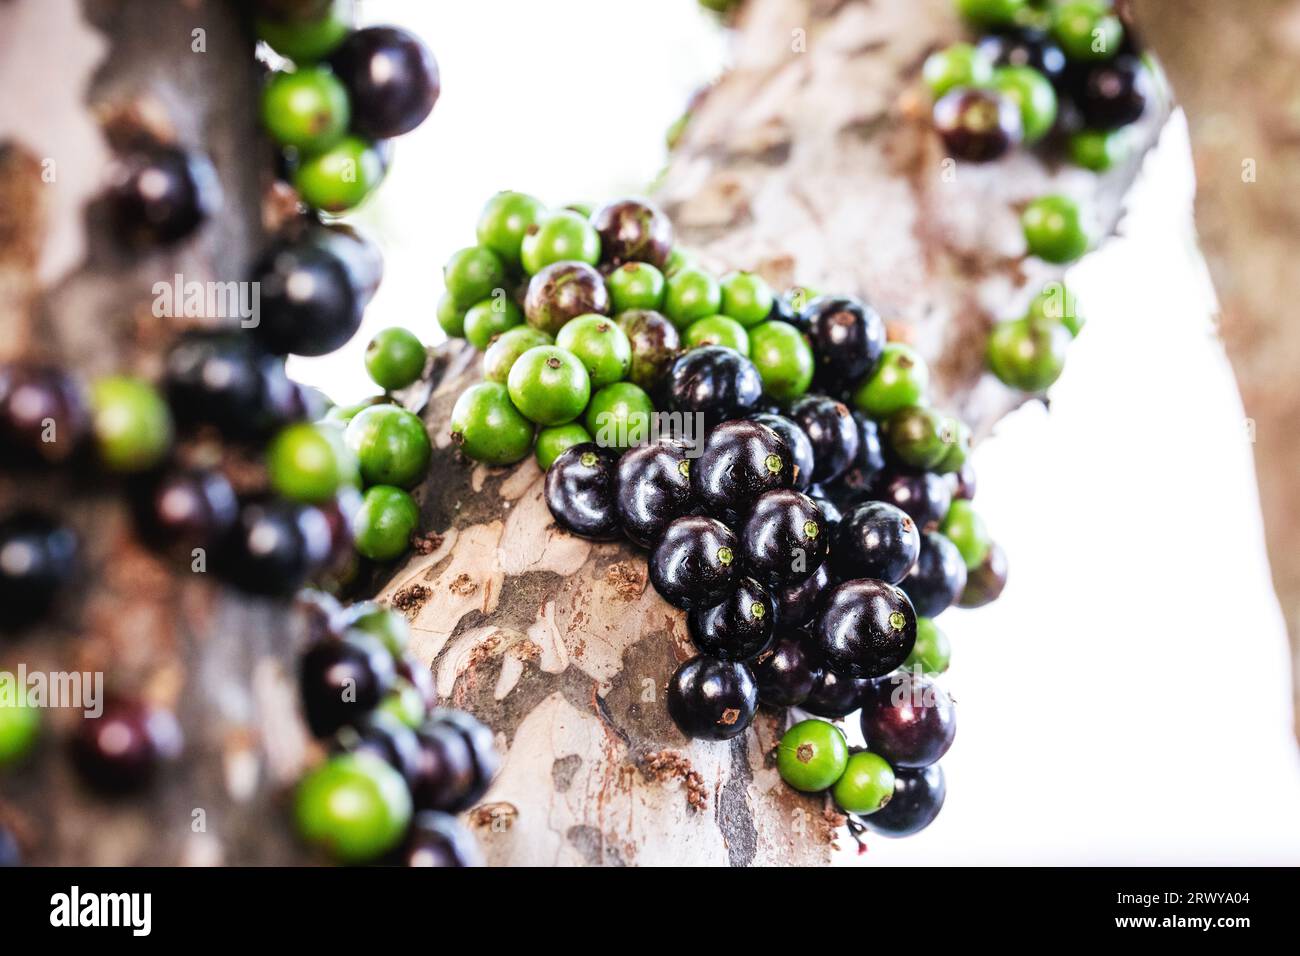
399, 766
1065, 74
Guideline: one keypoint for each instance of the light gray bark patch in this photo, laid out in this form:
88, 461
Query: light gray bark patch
734, 815
590, 842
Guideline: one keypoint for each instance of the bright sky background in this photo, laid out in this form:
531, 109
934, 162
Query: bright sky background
1127, 701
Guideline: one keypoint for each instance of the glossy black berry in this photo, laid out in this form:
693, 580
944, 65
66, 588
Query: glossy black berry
632, 230
439, 840
847, 337
38, 557
712, 699
447, 773
358, 251
785, 537
382, 734
1025, 47
161, 195
962, 483
274, 546
924, 496
785, 672
482, 751
737, 628
696, 563
714, 382
908, 720
796, 606
984, 584
832, 432
342, 680
580, 491
308, 303
653, 489
834, 695
938, 578
865, 628
391, 78
977, 125
1114, 93
122, 749
43, 414
918, 798
741, 460
801, 450
179, 510
218, 378
875, 540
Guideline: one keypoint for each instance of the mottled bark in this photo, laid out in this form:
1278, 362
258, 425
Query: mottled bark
1236, 67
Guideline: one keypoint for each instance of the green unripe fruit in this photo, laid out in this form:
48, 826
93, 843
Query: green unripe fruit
451, 317
957, 437
812, 755
620, 416
310, 462
1099, 150
958, 65
391, 445
1033, 94
487, 319
555, 441
1054, 229
504, 222
678, 259
784, 359
339, 178
1087, 30
383, 525
717, 330
746, 297
395, 358
405, 704
991, 12
382, 622
966, 529
915, 434
472, 274
636, 285
866, 785
932, 651
508, 346
307, 109
306, 42
487, 427
20, 723
601, 346
131, 423
900, 379
1056, 303
353, 806
691, 294
1028, 354
549, 385
561, 237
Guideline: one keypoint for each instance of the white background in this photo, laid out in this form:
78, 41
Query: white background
1127, 700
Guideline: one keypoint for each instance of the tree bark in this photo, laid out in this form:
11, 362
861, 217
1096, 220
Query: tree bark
1237, 71
812, 160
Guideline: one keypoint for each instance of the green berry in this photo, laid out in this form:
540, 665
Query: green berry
1056, 303
487, 427
581, 207
957, 437
958, 65
549, 385
508, 346
340, 415
1053, 229
132, 424
504, 222
307, 109
678, 259
341, 177
932, 651
783, 357
554, 441
636, 285
812, 755
1087, 30
405, 704
20, 723
472, 274
620, 416
866, 785
966, 529
451, 317
991, 12
306, 42
563, 236
691, 294
1028, 354
354, 806
746, 297
309, 463
901, 379
600, 345
383, 525
382, 622
487, 319
916, 435
717, 330
1098, 149
391, 445
395, 358
1033, 94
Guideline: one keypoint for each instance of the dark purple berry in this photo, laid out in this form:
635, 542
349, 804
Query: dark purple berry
653, 488
962, 484
985, 583
632, 230
785, 672
796, 606
1114, 93
977, 125
43, 414
832, 432
713, 382
161, 195
386, 737
801, 450
785, 537
696, 563
737, 628
865, 628
38, 557
439, 840
121, 750
1025, 47
227, 380
447, 773
274, 546
908, 720
938, 578
741, 461
847, 337
391, 78
833, 695
482, 751
875, 540
925, 497
180, 510
342, 680
308, 303
918, 798
580, 491
712, 699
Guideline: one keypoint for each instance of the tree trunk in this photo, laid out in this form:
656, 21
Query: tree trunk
1237, 71
811, 161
